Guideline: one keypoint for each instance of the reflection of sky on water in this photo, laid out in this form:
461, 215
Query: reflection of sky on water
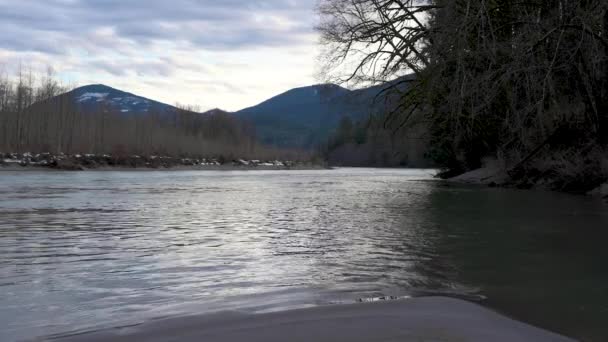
87, 249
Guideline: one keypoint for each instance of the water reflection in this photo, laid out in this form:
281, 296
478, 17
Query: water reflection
83, 250
539, 257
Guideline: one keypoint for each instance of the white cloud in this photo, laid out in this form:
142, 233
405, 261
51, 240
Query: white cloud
229, 54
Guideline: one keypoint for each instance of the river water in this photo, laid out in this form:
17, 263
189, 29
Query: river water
83, 251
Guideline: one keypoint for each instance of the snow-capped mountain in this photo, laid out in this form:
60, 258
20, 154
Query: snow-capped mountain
101, 97
298, 118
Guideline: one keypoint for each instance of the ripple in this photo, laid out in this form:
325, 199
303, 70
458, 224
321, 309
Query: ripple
75, 256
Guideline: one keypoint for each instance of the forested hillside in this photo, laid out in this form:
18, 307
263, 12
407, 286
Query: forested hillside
299, 118
524, 84
367, 143
307, 117
374, 139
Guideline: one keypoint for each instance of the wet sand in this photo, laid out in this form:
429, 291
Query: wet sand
419, 319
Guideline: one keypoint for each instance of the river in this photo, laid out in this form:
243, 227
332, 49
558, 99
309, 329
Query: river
88, 250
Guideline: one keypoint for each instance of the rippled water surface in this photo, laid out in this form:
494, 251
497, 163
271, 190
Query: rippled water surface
81, 251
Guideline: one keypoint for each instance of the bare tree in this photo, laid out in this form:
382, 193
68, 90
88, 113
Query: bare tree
373, 40
42, 116
522, 81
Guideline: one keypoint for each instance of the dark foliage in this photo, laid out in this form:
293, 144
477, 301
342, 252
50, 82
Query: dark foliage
522, 82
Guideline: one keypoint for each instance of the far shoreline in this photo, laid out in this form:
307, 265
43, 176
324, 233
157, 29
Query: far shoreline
17, 162
163, 169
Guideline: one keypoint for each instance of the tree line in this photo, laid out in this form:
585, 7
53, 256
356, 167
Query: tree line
38, 114
524, 83
367, 143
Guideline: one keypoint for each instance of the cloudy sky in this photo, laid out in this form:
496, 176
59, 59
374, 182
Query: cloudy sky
212, 53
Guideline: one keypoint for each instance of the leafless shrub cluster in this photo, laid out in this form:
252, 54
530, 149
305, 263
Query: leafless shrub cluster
512, 79
36, 115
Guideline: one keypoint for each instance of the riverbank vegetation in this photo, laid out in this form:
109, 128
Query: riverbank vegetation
523, 84
367, 143
39, 115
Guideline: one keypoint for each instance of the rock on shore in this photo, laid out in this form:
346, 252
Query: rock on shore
492, 174
18, 161
483, 176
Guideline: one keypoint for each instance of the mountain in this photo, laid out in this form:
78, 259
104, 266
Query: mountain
97, 96
299, 118
305, 117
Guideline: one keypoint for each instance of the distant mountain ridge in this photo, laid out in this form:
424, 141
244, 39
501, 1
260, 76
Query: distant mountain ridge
297, 118
306, 117
301, 118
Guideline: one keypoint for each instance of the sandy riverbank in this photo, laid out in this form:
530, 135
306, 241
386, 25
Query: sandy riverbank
418, 319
